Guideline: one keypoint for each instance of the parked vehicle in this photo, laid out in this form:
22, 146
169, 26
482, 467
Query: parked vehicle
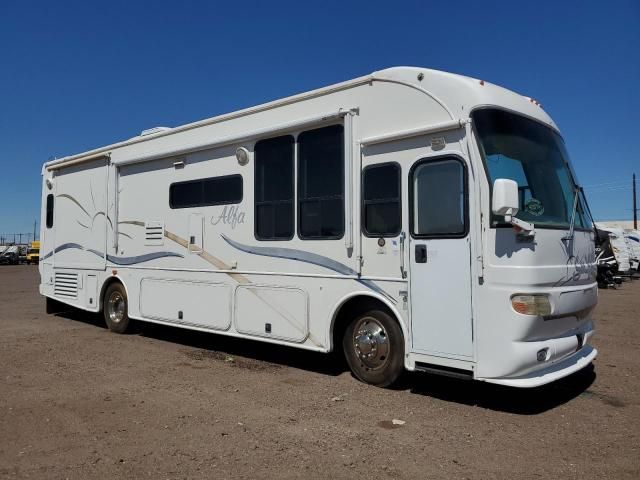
607, 264
632, 238
10, 256
620, 249
415, 219
33, 254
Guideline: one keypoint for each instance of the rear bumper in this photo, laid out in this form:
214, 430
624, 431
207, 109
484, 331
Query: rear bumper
556, 371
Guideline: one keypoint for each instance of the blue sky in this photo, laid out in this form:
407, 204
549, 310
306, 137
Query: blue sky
77, 74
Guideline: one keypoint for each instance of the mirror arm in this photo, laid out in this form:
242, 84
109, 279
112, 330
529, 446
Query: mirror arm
525, 229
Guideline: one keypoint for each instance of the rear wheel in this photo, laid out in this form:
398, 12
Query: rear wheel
374, 348
116, 311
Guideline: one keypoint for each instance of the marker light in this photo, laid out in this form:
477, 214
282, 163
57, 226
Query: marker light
531, 304
242, 155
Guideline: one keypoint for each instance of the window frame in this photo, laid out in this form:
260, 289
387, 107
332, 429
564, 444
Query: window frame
49, 219
294, 146
299, 200
363, 203
203, 180
465, 185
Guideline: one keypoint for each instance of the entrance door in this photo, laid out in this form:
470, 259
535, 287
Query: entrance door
440, 257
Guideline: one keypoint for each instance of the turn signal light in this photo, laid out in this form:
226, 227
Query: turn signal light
531, 304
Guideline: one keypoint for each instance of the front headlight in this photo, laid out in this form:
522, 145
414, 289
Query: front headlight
538, 305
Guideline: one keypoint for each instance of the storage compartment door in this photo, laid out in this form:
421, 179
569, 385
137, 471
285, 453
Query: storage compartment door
272, 312
201, 304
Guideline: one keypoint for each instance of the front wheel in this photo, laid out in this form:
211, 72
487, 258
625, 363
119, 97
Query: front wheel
116, 311
374, 348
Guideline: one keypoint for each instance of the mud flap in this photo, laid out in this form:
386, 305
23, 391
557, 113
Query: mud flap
54, 306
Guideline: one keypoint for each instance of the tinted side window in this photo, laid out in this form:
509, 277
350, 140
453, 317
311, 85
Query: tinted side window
274, 188
185, 194
439, 199
381, 200
50, 210
206, 192
321, 183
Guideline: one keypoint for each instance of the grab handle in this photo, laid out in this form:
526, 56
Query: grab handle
403, 271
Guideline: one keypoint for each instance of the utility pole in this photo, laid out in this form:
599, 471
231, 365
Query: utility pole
635, 206
34, 230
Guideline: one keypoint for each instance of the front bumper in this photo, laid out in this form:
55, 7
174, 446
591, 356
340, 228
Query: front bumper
553, 372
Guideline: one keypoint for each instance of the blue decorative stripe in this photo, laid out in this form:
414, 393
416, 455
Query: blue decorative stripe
111, 258
293, 254
306, 257
64, 246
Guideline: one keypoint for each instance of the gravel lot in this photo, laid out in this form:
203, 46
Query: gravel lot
77, 401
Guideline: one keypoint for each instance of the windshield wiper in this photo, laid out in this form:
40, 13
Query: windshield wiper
593, 220
572, 225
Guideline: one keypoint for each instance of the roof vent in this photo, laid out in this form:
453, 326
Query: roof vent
151, 131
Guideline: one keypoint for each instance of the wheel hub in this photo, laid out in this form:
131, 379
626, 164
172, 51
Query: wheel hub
371, 343
116, 307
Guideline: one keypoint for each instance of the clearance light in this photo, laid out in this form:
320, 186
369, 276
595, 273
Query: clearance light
531, 304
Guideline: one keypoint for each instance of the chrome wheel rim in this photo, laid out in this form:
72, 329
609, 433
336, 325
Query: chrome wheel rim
371, 344
116, 307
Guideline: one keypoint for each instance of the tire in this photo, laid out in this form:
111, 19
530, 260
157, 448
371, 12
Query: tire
116, 308
373, 346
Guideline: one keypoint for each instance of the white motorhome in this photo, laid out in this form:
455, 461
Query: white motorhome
620, 248
415, 219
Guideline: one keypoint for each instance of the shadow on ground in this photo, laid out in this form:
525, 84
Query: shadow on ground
485, 395
529, 401
248, 349
95, 319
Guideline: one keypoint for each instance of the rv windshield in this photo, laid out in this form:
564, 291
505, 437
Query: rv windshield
533, 155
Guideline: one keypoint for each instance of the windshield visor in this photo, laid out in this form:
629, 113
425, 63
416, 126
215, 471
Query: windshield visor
534, 156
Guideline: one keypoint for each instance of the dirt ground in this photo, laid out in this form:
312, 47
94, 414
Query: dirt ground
77, 401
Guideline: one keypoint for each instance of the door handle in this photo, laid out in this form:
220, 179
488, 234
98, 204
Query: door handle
403, 270
421, 254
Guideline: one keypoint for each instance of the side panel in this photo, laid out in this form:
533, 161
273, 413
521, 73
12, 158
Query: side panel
80, 219
201, 304
292, 284
274, 312
439, 295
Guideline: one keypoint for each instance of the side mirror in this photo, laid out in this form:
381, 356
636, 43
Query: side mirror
505, 197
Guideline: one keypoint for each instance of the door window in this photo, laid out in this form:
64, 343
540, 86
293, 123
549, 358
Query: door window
439, 199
